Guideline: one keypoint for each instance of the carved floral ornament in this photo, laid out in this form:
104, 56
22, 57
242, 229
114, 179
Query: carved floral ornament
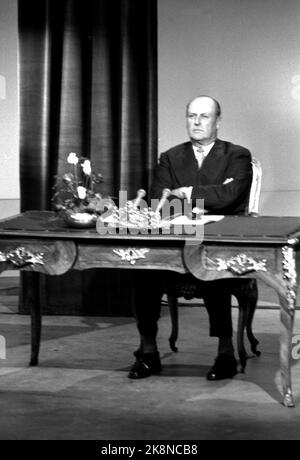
240, 264
290, 275
20, 257
131, 255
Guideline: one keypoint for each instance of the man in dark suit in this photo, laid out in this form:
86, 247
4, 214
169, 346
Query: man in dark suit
220, 173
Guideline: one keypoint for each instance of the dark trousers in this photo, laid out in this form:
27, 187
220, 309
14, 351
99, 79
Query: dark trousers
147, 300
149, 287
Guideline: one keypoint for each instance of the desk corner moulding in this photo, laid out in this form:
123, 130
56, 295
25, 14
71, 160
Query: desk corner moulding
289, 273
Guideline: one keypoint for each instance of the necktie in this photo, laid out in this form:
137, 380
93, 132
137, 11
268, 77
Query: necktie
199, 153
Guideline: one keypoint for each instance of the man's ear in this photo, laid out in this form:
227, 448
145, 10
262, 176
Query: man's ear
218, 124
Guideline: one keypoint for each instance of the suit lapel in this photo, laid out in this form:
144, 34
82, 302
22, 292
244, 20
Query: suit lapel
185, 166
213, 164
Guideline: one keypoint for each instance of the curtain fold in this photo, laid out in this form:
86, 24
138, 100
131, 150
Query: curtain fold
88, 84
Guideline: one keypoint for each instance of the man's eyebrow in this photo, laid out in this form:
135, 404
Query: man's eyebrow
194, 113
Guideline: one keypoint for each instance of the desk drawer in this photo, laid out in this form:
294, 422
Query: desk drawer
123, 256
212, 254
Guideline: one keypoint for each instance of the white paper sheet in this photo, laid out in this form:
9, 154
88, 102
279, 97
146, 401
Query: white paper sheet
184, 220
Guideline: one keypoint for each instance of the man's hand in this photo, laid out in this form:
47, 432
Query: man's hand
182, 192
186, 192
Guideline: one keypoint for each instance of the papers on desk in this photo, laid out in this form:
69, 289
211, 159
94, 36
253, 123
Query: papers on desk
178, 220
184, 220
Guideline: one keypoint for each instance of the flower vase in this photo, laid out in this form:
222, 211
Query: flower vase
79, 219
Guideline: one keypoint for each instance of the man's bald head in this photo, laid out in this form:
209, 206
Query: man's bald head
207, 98
203, 117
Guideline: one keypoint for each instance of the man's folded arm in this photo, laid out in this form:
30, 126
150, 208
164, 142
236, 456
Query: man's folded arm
232, 190
218, 197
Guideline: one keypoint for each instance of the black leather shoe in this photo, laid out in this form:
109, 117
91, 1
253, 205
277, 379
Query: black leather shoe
225, 367
146, 364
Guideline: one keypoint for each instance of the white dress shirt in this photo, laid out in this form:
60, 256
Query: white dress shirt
200, 158
206, 149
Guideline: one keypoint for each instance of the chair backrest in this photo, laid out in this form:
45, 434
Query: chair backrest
253, 203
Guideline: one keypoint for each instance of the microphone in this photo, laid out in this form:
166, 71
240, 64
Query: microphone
140, 194
165, 194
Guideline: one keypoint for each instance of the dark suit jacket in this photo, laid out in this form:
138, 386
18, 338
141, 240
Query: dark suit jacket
178, 167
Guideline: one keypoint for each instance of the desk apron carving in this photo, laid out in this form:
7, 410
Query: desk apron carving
131, 255
241, 264
21, 257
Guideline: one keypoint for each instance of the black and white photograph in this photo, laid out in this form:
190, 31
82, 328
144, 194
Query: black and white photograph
149, 223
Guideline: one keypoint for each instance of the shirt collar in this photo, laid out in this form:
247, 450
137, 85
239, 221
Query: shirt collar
206, 148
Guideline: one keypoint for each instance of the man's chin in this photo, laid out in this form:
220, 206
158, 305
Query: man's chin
197, 138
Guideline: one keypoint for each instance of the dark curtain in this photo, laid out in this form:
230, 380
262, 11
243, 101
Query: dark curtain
88, 84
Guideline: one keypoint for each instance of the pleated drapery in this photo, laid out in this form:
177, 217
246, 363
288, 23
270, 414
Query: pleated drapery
88, 84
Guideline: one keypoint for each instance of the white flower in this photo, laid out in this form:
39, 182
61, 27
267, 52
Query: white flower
81, 192
86, 166
72, 158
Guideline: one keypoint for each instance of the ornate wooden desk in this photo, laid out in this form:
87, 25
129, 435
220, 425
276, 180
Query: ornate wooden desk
264, 247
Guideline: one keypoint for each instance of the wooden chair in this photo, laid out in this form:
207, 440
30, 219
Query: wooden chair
243, 289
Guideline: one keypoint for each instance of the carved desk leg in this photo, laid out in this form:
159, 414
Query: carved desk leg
285, 286
48, 257
280, 276
287, 322
32, 297
287, 313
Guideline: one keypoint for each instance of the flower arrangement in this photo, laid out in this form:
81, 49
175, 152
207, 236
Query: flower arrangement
76, 191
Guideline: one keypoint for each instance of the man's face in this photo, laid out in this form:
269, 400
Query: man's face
201, 120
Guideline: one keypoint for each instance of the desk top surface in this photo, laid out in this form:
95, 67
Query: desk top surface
239, 229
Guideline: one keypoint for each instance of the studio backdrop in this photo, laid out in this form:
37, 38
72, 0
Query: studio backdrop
87, 84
